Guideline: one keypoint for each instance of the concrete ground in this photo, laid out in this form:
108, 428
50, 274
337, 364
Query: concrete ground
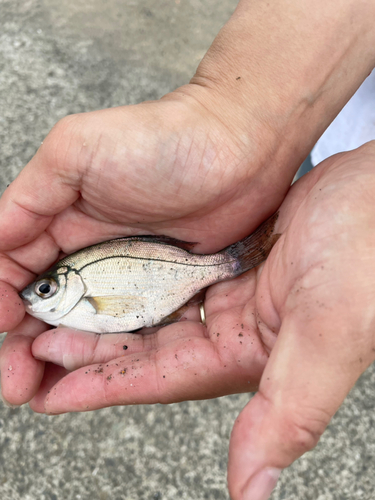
65, 56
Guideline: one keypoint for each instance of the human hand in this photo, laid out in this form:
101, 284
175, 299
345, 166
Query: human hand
166, 167
207, 163
315, 301
310, 307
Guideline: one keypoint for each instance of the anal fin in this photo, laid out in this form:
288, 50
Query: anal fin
175, 316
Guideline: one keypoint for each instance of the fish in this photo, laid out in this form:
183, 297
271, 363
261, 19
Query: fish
130, 283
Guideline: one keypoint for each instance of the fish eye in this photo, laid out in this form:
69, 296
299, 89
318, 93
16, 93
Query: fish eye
45, 288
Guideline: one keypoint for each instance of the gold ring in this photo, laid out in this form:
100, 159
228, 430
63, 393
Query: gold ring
202, 313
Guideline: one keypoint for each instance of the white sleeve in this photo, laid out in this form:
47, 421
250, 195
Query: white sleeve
352, 127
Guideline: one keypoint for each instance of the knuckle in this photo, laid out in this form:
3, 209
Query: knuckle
62, 130
60, 146
162, 395
93, 350
301, 432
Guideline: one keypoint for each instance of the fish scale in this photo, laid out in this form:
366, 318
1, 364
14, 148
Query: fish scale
129, 283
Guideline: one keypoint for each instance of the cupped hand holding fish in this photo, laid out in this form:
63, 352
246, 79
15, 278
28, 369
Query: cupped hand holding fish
59, 203
306, 318
207, 164
168, 167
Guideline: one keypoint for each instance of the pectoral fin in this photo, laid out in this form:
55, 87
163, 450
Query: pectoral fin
173, 317
116, 305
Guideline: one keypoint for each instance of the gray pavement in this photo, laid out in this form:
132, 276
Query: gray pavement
65, 56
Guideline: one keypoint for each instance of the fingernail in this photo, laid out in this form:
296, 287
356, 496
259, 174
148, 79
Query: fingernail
7, 404
262, 484
69, 362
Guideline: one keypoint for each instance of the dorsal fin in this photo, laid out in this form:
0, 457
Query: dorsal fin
167, 240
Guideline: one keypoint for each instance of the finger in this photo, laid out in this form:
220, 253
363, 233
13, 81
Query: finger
52, 374
302, 386
44, 188
12, 310
13, 278
21, 373
188, 368
74, 349
11, 272
37, 255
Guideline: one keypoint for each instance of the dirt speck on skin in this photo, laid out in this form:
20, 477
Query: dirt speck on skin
99, 370
122, 372
240, 334
109, 377
124, 347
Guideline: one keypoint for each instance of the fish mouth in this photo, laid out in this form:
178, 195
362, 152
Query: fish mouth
25, 301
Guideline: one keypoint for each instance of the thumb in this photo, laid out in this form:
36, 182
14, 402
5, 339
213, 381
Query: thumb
310, 371
45, 187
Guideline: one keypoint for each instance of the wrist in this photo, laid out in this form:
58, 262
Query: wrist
277, 74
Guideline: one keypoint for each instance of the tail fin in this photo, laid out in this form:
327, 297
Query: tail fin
254, 249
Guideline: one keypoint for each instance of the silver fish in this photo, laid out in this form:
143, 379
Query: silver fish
129, 283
